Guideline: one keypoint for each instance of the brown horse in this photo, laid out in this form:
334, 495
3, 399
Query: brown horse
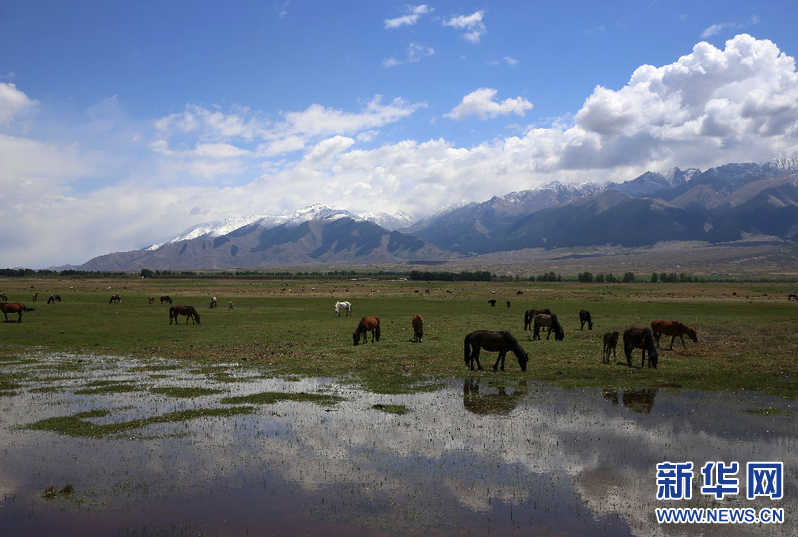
166, 299
584, 317
493, 342
610, 344
366, 325
673, 329
640, 338
188, 311
115, 299
14, 307
792, 296
35, 297
529, 316
418, 328
551, 323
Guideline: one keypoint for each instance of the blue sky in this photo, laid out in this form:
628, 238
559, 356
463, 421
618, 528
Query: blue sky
124, 123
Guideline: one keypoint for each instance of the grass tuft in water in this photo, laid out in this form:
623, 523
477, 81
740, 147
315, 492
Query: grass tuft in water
269, 398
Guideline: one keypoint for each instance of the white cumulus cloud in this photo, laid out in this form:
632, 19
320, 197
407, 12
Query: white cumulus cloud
482, 103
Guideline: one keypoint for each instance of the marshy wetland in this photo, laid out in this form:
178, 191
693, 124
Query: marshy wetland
266, 420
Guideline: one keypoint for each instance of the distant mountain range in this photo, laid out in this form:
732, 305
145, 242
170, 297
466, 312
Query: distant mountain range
721, 204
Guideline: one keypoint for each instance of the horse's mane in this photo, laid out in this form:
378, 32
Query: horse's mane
512, 342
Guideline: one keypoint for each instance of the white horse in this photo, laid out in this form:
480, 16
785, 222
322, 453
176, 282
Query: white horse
345, 306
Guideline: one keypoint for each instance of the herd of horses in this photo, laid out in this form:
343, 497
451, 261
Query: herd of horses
502, 342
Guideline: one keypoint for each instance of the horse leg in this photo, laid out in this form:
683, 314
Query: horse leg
682, 338
548, 334
499, 358
475, 358
673, 338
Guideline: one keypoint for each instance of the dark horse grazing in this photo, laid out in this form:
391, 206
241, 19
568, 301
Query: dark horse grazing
166, 299
552, 323
14, 307
188, 311
418, 328
640, 338
610, 344
366, 325
115, 298
492, 341
673, 329
529, 316
584, 317
53, 299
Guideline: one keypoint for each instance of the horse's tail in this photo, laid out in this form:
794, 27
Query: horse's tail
26, 308
466, 349
377, 331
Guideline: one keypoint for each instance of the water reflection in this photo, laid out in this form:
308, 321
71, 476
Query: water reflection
476, 457
491, 399
641, 401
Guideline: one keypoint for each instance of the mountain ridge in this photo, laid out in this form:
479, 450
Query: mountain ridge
721, 204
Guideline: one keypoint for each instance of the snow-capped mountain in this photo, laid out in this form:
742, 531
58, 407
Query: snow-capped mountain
720, 204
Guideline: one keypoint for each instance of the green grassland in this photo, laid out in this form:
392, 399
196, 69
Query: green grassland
747, 332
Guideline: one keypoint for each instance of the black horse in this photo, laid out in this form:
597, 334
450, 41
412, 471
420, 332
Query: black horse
492, 341
584, 317
188, 311
640, 338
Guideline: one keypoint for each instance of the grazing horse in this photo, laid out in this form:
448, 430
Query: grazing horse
529, 316
53, 299
14, 307
673, 329
366, 325
213, 303
35, 297
584, 317
493, 342
166, 299
230, 305
188, 311
343, 306
640, 338
610, 343
548, 321
792, 296
115, 299
492, 302
418, 328
151, 300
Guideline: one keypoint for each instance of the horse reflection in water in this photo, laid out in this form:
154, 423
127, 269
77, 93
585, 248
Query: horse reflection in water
491, 400
640, 401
